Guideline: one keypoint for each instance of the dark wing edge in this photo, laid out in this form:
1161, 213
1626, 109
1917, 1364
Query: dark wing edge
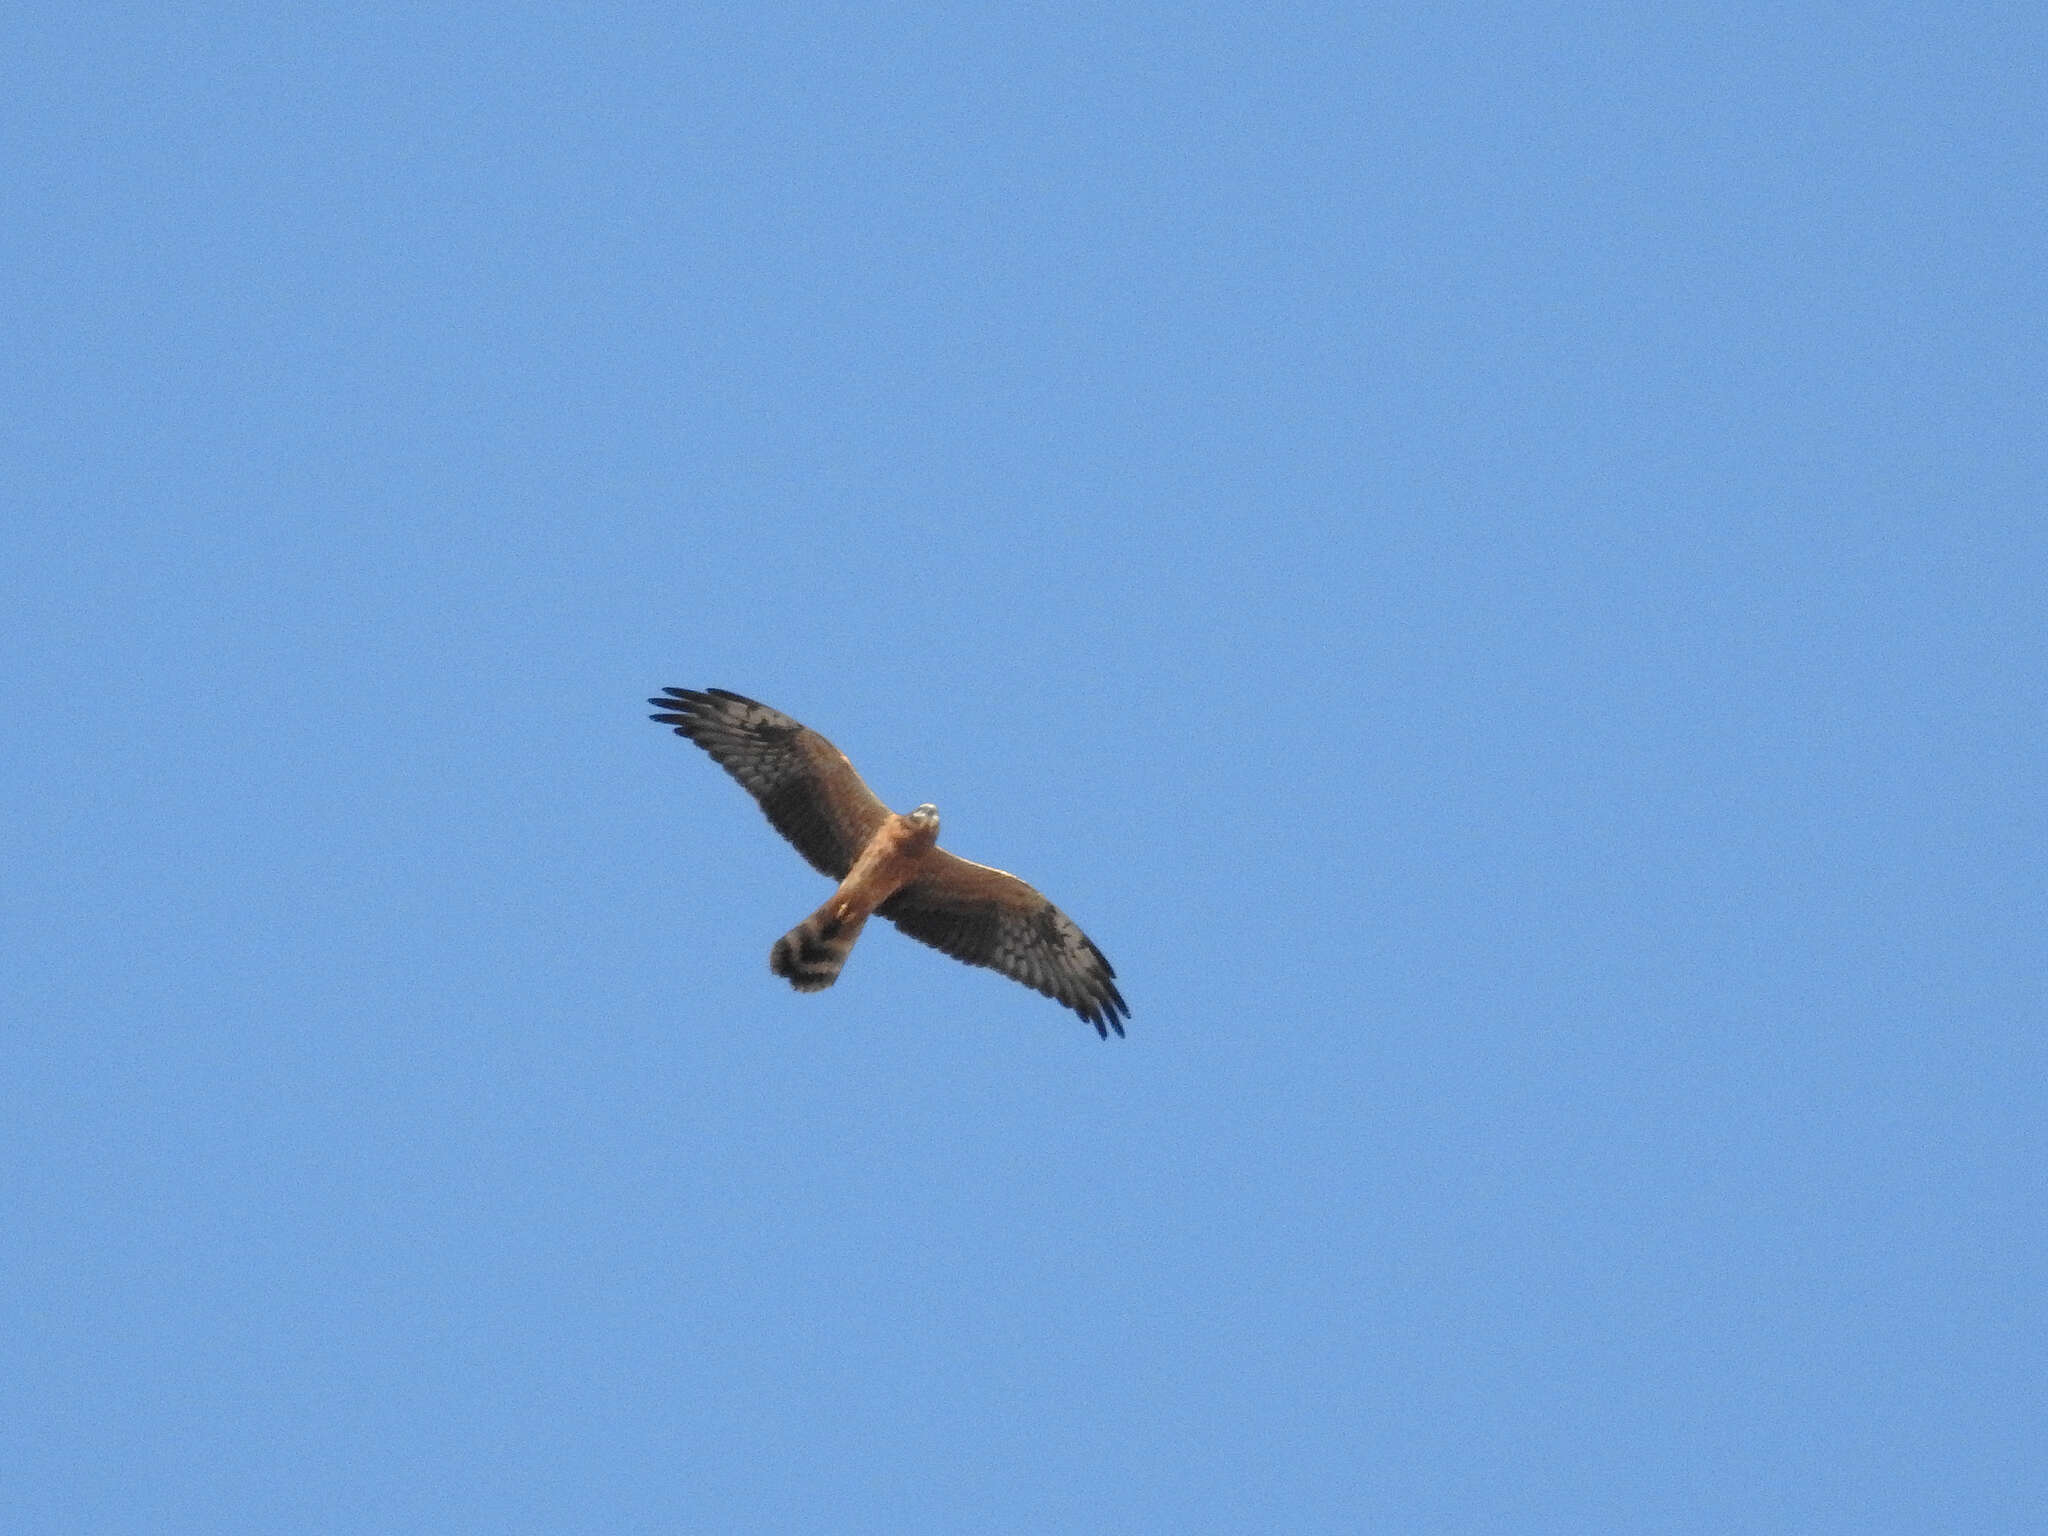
805, 786
985, 917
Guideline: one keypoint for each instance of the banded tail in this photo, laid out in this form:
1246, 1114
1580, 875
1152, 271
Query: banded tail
812, 953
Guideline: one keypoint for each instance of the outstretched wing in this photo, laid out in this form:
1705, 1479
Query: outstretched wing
805, 784
986, 917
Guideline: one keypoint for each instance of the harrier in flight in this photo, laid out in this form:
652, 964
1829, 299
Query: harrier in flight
887, 864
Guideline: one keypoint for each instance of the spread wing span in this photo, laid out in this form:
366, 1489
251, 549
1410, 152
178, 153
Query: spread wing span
887, 864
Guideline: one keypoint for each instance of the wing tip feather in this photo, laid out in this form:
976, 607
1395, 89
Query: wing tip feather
1106, 1009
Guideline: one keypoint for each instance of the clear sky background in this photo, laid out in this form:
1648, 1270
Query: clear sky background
1493, 556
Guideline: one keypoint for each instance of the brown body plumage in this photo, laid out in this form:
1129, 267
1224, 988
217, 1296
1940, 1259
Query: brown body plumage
810, 954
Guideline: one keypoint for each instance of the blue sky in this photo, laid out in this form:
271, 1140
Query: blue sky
1493, 557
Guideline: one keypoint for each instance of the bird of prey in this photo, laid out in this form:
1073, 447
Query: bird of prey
887, 864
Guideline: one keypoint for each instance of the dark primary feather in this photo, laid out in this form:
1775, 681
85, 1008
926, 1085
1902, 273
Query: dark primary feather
805, 785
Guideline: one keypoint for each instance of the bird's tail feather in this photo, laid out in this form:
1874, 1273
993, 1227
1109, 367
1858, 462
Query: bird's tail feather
811, 954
